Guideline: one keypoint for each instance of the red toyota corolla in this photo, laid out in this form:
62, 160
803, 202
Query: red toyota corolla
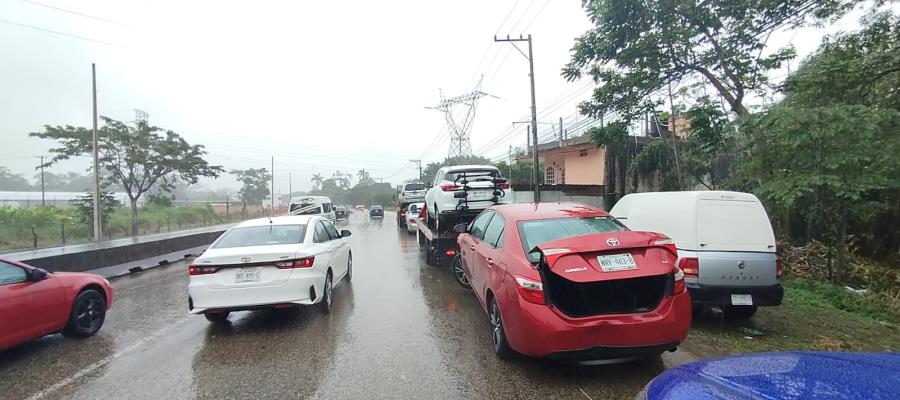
34, 303
567, 281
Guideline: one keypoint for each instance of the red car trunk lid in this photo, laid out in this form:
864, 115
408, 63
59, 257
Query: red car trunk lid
578, 258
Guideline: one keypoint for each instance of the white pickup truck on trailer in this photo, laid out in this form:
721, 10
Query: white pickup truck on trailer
725, 243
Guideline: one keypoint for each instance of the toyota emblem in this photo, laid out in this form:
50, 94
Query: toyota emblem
741, 264
245, 259
612, 242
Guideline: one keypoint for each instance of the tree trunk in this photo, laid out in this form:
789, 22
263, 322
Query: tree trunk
134, 217
841, 247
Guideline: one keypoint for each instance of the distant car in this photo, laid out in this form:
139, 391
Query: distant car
376, 212
412, 213
341, 212
787, 375
34, 303
413, 192
360, 207
567, 281
312, 205
442, 199
726, 246
270, 263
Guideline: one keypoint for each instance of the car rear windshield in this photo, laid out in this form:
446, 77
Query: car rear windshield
261, 236
377, 207
306, 209
475, 174
547, 230
414, 186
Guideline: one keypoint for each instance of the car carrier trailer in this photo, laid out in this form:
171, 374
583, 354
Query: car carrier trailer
440, 245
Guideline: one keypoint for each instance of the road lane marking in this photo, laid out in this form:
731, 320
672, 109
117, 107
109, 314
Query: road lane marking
585, 394
103, 362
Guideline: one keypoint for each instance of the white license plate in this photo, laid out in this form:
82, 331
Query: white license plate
616, 262
247, 275
741, 300
479, 194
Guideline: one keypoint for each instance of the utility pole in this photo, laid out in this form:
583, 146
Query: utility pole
560, 132
509, 177
290, 185
98, 230
419, 164
273, 185
530, 57
43, 200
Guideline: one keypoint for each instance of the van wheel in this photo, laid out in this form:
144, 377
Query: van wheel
740, 312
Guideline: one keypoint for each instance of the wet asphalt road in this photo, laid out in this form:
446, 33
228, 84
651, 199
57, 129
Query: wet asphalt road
402, 329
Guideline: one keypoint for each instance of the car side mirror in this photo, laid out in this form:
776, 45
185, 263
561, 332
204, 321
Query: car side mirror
460, 228
37, 275
345, 233
428, 185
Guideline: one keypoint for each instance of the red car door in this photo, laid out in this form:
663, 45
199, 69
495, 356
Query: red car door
488, 256
472, 245
28, 309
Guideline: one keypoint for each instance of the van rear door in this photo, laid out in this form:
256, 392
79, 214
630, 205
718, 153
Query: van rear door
736, 244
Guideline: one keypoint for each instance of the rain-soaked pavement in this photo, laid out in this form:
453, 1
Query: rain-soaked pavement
400, 330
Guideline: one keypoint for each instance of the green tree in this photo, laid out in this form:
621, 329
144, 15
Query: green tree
364, 177
137, 157
638, 47
84, 208
255, 183
11, 181
317, 180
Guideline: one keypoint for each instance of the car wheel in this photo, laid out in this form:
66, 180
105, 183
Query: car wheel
349, 267
740, 312
325, 303
498, 334
459, 273
87, 315
218, 318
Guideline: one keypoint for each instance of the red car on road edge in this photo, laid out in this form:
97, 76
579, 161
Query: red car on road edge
34, 303
568, 281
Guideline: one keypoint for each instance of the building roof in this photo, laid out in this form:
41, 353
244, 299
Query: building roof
533, 211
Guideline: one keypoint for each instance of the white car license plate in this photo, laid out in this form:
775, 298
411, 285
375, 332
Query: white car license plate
616, 262
479, 194
741, 300
247, 275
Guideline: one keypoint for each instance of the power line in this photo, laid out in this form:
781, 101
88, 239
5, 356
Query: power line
76, 13
60, 33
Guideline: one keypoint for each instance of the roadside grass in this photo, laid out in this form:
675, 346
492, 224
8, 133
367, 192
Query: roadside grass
813, 316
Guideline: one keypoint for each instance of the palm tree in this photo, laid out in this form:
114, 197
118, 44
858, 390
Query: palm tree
364, 177
317, 181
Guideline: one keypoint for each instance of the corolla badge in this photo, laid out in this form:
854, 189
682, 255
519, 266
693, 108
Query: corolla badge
245, 259
578, 269
612, 242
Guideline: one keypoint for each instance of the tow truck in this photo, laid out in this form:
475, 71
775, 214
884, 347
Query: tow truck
441, 246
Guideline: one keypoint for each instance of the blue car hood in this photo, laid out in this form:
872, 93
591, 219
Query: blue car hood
787, 375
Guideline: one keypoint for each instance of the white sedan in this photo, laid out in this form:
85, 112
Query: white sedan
412, 214
270, 263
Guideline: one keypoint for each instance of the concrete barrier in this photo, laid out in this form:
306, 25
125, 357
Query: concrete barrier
89, 256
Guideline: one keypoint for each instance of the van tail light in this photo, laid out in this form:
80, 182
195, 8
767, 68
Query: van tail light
669, 244
306, 262
201, 270
531, 291
678, 286
449, 187
690, 266
778, 267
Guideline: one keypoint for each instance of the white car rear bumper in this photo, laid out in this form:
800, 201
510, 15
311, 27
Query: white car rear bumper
296, 290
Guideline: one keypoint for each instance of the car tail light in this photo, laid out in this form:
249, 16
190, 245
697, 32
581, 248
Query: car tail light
678, 287
531, 291
503, 185
306, 262
449, 187
778, 267
669, 244
690, 266
201, 270
451, 252
402, 213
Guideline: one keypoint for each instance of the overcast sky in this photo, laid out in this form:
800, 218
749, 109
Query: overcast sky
321, 86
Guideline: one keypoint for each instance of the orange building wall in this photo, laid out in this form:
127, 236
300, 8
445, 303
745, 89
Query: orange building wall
586, 170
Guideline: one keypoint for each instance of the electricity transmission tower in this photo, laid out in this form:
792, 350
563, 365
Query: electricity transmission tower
460, 129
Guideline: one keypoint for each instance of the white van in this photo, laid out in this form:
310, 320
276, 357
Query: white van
312, 205
725, 242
